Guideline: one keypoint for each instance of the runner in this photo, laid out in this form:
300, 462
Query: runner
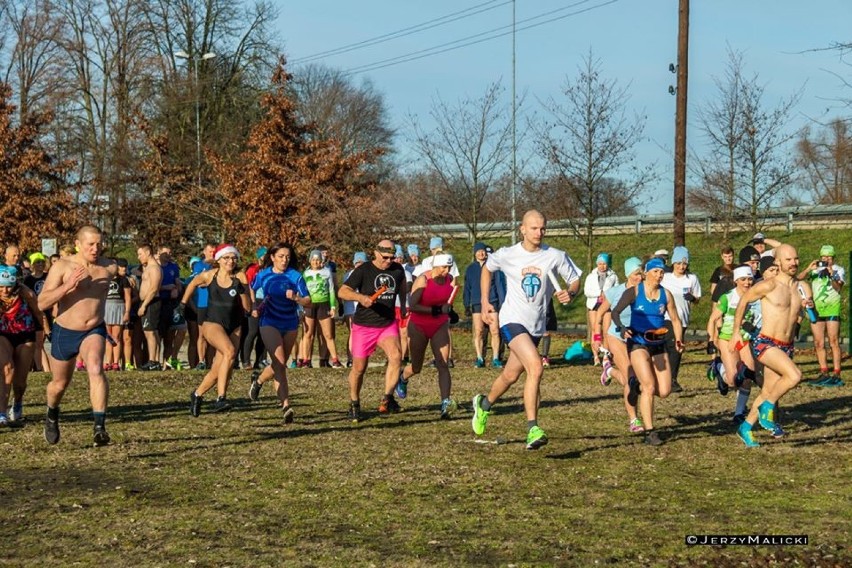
78, 284
616, 345
826, 279
19, 320
116, 317
686, 291
429, 324
279, 290
646, 335
375, 286
35, 281
322, 311
595, 286
781, 302
227, 304
529, 267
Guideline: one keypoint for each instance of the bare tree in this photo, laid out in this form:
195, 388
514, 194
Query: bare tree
466, 153
826, 161
747, 167
588, 144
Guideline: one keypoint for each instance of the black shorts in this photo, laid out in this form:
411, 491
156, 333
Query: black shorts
550, 323
189, 313
476, 308
319, 311
658, 348
18, 339
151, 317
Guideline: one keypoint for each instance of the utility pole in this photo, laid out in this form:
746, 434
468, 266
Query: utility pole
514, 137
679, 213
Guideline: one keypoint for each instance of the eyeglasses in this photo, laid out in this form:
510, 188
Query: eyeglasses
384, 257
231, 258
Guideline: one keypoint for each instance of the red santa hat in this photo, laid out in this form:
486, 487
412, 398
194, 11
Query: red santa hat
224, 249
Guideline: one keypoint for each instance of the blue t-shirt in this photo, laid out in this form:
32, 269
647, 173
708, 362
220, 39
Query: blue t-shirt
647, 314
199, 296
277, 311
171, 273
613, 295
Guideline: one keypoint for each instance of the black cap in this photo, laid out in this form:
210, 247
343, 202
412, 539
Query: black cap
749, 253
766, 262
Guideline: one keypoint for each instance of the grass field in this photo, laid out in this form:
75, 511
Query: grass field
242, 489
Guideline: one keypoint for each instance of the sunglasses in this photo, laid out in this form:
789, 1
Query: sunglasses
387, 257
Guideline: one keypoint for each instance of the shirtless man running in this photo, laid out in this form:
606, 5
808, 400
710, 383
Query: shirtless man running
781, 303
78, 284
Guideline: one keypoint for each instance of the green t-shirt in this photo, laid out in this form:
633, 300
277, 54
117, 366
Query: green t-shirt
827, 300
320, 287
728, 306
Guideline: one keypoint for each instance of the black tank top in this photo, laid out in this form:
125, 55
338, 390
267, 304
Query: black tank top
224, 305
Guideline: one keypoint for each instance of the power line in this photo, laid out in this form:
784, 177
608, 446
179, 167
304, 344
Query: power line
470, 40
423, 26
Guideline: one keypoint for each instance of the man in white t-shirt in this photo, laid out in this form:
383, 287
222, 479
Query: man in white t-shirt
530, 268
686, 291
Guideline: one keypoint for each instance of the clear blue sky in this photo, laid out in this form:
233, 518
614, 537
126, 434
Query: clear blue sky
635, 40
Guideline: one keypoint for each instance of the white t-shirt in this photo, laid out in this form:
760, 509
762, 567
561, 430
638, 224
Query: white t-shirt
426, 265
528, 285
678, 286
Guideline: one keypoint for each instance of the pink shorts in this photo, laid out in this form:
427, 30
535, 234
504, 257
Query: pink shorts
365, 339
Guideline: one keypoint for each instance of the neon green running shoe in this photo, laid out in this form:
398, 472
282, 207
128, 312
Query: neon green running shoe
480, 416
536, 438
766, 415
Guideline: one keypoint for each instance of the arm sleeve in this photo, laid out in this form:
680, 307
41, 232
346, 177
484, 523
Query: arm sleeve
332, 293
626, 300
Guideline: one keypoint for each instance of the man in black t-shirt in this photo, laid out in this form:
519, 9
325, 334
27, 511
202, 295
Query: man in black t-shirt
375, 287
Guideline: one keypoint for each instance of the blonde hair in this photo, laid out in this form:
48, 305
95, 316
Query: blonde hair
67, 250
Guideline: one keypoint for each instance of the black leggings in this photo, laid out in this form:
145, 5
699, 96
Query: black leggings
252, 341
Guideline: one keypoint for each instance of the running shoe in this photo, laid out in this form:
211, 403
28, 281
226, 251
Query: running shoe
401, 387
676, 386
450, 363
721, 385
388, 405
301, 364
497, 363
336, 364
766, 415
480, 416
348, 363
202, 366
480, 363
130, 367
4, 421
288, 414
17, 413
176, 364
739, 419
255, 375
448, 406
636, 426
778, 431
254, 391
354, 412
101, 438
652, 438
221, 405
116, 367
195, 404
51, 431
545, 361
80, 366
607, 369
747, 436
536, 438
150, 366
711, 370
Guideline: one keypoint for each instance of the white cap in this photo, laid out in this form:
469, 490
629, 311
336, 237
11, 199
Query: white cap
743, 272
662, 252
442, 260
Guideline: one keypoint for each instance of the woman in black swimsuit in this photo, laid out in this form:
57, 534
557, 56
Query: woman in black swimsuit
227, 305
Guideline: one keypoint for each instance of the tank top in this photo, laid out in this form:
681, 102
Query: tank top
223, 304
434, 294
17, 318
646, 314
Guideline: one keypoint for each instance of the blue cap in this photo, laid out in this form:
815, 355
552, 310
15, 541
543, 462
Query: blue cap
436, 243
478, 247
654, 263
261, 252
193, 260
680, 254
413, 250
631, 265
7, 276
359, 256
398, 253
603, 257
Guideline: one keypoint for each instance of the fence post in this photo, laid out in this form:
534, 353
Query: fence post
638, 226
789, 223
707, 226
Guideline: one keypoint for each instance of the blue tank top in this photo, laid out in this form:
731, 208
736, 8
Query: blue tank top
277, 310
646, 314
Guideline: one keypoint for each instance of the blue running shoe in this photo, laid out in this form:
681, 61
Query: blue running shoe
766, 415
778, 432
497, 363
480, 363
746, 435
401, 387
